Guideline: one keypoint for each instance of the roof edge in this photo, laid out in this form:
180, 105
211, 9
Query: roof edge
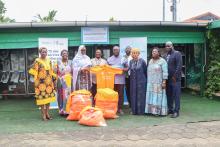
214, 25
99, 23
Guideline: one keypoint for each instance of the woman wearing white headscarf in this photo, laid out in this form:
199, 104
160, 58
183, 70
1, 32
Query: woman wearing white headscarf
81, 75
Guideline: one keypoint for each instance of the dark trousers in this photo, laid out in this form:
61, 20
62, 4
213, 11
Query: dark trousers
173, 96
94, 91
120, 89
127, 86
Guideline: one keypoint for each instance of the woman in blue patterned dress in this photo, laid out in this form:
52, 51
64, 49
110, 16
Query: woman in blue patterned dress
156, 100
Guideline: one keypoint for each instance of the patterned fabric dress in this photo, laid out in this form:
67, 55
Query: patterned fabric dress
84, 80
44, 79
64, 73
156, 99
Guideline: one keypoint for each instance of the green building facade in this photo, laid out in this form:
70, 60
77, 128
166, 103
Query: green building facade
19, 42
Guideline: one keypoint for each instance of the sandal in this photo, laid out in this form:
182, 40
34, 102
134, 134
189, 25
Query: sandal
44, 118
49, 117
61, 112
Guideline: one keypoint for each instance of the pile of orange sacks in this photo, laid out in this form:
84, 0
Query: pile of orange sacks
79, 107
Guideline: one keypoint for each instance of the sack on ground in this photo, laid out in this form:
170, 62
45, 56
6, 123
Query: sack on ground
91, 116
107, 100
77, 101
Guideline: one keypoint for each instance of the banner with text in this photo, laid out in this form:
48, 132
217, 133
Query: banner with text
54, 46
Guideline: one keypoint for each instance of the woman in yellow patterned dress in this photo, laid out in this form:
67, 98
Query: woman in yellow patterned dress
44, 82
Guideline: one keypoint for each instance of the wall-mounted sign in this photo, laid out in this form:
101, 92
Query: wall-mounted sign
94, 35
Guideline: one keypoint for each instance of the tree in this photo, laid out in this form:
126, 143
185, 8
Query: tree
49, 18
3, 18
112, 19
2, 8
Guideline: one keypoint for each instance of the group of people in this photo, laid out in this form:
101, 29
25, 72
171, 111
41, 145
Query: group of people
152, 88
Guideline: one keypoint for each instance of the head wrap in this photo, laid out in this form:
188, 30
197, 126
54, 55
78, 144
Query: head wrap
81, 60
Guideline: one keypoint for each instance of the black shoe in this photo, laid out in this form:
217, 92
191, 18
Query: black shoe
175, 115
170, 112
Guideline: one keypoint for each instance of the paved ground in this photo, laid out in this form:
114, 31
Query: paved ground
199, 134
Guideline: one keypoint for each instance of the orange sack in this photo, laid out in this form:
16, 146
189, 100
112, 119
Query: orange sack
107, 100
91, 116
77, 101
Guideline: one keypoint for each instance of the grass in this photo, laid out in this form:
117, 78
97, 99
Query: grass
20, 115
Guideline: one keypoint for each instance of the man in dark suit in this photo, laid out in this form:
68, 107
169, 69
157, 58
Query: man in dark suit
174, 61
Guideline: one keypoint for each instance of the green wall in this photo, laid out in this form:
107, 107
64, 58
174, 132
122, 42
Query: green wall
28, 37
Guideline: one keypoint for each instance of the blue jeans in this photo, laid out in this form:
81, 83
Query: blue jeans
173, 96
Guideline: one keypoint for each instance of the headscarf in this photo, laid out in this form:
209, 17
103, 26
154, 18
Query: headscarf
81, 60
